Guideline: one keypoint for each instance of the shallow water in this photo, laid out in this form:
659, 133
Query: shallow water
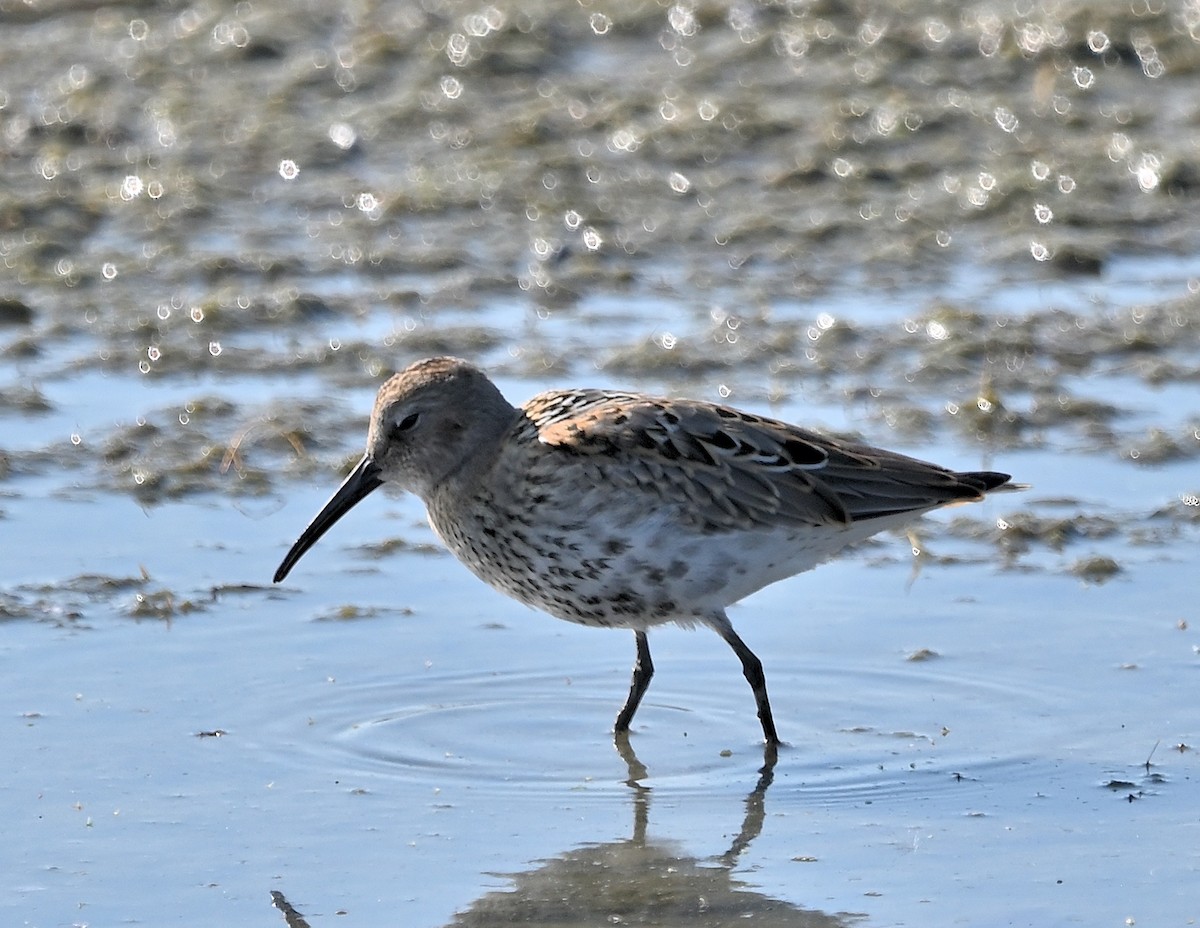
968, 234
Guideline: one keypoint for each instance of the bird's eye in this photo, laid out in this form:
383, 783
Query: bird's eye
406, 424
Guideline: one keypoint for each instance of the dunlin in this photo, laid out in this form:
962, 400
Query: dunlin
623, 510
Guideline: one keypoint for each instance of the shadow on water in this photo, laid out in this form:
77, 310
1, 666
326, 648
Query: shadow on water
638, 880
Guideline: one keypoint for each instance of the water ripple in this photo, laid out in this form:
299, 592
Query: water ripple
534, 732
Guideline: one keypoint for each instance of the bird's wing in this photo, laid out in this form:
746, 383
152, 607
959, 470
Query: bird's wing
741, 470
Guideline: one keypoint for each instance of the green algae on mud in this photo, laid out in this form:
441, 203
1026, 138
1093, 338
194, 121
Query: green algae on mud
738, 154
69, 602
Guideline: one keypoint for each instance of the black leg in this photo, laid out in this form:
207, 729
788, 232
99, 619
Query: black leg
752, 668
643, 670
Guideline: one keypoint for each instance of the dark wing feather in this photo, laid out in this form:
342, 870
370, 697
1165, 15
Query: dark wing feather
739, 470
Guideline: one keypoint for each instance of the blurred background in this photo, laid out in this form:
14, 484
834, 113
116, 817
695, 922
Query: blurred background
964, 230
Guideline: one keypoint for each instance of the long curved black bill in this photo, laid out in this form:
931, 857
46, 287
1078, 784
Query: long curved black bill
360, 481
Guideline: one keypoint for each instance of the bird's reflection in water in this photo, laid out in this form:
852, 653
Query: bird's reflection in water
637, 881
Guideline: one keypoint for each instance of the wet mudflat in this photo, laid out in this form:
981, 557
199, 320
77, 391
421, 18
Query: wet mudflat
967, 233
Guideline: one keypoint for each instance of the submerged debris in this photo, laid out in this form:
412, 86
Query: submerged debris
1096, 570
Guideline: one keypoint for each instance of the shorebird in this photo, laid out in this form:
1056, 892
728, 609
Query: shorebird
623, 510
